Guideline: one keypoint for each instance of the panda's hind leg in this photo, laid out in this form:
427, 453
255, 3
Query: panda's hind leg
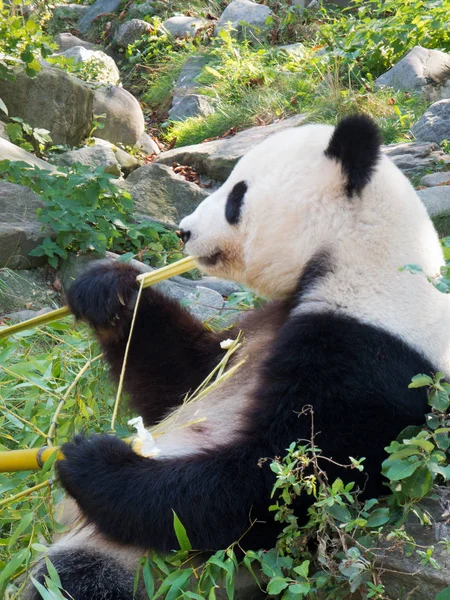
88, 575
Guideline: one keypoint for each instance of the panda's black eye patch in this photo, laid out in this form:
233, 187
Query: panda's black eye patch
234, 203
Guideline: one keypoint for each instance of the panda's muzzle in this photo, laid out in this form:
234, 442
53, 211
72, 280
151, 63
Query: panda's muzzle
210, 261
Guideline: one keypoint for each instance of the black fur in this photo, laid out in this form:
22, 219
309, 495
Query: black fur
234, 203
315, 270
88, 575
354, 375
171, 352
355, 143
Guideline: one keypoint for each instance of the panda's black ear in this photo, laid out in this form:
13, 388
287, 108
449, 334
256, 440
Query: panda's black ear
355, 143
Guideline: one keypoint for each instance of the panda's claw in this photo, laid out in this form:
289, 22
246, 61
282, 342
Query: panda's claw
102, 295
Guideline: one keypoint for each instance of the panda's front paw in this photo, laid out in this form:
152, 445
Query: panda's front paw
103, 294
91, 471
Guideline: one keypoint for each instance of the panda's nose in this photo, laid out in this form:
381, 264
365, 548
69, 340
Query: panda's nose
184, 235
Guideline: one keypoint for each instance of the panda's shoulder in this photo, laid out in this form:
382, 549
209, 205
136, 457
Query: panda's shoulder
339, 348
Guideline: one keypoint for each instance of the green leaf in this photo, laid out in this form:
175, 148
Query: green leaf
181, 534
378, 517
419, 483
303, 569
396, 470
276, 585
340, 513
149, 582
420, 381
439, 400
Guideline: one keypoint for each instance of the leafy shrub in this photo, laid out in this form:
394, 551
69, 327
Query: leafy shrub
372, 36
32, 139
20, 39
88, 212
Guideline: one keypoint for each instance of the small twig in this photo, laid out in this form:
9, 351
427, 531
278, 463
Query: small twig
125, 356
27, 492
36, 429
51, 432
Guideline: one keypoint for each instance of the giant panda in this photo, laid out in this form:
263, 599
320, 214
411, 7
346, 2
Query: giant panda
319, 221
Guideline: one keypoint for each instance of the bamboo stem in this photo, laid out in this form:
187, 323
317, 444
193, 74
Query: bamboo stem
177, 268
51, 431
125, 357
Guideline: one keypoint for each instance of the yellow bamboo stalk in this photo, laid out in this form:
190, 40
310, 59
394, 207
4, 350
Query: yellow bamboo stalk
177, 268
29, 459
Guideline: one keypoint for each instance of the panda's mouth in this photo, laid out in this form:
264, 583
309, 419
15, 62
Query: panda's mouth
211, 260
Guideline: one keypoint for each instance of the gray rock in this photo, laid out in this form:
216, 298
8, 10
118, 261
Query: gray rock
187, 79
436, 200
180, 27
434, 179
94, 156
296, 49
103, 66
9, 151
24, 315
191, 105
126, 160
139, 11
216, 159
420, 70
52, 100
414, 157
161, 194
66, 41
3, 133
99, 7
20, 231
404, 576
27, 289
147, 145
124, 122
434, 124
205, 303
130, 32
69, 12
247, 18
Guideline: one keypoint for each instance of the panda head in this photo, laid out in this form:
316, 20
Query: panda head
288, 198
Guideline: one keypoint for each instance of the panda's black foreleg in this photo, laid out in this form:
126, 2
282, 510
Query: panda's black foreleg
217, 495
171, 352
87, 575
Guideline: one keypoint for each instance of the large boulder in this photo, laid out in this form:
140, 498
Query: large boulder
68, 12
103, 67
191, 105
180, 27
97, 155
187, 79
124, 122
162, 195
65, 41
436, 200
52, 100
9, 151
29, 288
216, 159
20, 231
98, 8
139, 11
131, 31
404, 574
414, 157
247, 19
434, 124
433, 179
421, 70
